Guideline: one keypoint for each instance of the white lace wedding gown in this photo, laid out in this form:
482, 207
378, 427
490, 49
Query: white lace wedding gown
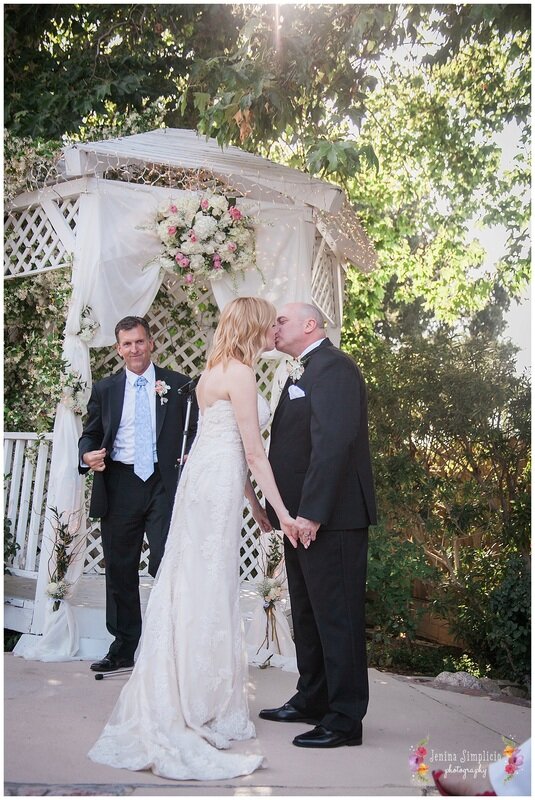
186, 698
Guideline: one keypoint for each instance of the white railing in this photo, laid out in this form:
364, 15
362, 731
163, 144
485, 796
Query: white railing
26, 465
26, 468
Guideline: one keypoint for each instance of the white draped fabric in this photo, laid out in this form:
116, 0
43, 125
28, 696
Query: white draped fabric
114, 274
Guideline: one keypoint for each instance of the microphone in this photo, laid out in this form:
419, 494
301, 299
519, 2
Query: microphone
189, 387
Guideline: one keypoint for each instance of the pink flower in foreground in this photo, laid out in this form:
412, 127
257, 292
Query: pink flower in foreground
232, 246
188, 278
179, 257
235, 213
421, 751
171, 230
217, 265
173, 209
204, 204
510, 769
192, 236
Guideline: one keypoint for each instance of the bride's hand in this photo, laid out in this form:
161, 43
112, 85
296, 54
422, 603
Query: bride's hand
289, 528
262, 519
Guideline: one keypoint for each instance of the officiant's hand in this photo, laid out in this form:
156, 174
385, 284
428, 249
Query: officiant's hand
307, 530
94, 459
262, 519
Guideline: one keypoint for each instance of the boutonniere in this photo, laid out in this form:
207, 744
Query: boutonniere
161, 388
295, 369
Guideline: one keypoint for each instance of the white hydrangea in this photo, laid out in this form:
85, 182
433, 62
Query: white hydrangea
204, 226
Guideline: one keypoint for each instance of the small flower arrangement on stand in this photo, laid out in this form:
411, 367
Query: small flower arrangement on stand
204, 236
64, 549
269, 619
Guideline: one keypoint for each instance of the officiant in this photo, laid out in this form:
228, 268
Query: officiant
132, 441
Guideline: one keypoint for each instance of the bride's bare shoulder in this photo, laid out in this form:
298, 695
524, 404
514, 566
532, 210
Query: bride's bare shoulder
237, 369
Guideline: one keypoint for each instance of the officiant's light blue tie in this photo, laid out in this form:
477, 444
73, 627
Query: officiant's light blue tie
143, 454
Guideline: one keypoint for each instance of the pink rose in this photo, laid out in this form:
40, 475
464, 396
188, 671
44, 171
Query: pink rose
421, 751
188, 278
192, 236
204, 204
184, 262
217, 265
510, 769
179, 257
232, 246
234, 212
171, 230
173, 209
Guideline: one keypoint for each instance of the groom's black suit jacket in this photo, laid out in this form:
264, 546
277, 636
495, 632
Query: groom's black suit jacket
104, 412
319, 449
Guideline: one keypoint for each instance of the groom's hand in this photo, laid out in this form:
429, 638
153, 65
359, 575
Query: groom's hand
307, 530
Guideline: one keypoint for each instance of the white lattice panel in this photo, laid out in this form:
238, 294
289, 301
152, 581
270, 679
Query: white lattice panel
325, 281
189, 358
40, 237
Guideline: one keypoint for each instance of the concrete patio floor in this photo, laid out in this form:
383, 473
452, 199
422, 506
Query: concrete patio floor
55, 711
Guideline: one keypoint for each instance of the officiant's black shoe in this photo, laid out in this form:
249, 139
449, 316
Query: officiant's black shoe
111, 664
323, 737
286, 713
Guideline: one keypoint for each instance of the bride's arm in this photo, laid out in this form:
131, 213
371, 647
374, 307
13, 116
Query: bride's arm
243, 395
258, 512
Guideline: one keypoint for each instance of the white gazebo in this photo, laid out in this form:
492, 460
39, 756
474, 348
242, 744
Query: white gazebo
96, 219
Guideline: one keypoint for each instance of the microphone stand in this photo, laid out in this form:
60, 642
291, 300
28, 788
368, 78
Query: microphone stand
189, 389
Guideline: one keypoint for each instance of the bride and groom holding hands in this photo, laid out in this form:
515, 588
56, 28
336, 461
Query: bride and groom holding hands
186, 698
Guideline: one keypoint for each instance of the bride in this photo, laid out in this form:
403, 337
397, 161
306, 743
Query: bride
186, 698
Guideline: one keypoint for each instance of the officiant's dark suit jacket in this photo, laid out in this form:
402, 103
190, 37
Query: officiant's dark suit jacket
128, 506
104, 412
320, 456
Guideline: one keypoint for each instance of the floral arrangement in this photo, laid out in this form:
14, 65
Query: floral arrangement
204, 236
88, 325
271, 588
416, 761
515, 759
73, 391
64, 549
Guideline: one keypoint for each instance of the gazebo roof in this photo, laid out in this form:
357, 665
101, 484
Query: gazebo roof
250, 174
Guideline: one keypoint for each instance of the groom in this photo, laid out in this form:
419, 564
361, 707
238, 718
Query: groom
320, 457
132, 440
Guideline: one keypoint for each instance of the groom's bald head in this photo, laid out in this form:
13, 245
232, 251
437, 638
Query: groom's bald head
298, 326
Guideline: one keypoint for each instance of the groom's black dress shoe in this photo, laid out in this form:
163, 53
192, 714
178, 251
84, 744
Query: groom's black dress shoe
286, 713
323, 737
110, 664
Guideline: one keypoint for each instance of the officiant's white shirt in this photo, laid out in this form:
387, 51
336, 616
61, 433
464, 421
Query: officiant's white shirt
124, 445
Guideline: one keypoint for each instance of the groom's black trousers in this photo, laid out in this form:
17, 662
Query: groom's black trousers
134, 507
327, 585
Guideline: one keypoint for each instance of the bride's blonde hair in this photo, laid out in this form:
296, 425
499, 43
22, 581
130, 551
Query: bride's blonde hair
241, 331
